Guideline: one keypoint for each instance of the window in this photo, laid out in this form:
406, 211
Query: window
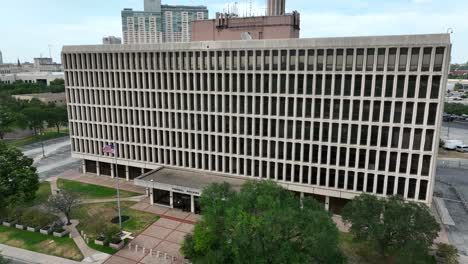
380, 59
391, 59
414, 62
439, 59
370, 59
426, 61
310, 60
403, 60
320, 58
349, 59
339, 60
359, 59
329, 62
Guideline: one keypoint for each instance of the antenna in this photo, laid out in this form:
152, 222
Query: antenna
50, 53
250, 8
450, 30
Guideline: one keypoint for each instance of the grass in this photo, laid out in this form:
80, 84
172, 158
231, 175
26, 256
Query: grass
104, 249
61, 247
46, 135
363, 252
90, 191
87, 213
138, 221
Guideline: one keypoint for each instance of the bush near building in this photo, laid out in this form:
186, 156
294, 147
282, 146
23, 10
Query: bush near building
263, 223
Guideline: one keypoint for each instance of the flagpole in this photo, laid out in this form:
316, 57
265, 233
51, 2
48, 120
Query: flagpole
118, 186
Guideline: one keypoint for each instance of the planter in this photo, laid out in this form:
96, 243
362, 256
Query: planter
117, 245
20, 227
10, 223
61, 234
99, 242
32, 229
47, 230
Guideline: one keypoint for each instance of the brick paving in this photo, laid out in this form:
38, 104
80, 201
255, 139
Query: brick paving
164, 236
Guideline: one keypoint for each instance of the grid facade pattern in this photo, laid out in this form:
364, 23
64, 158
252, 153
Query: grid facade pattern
331, 120
172, 24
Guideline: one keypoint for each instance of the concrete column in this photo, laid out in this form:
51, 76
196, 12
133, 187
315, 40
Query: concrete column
171, 199
327, 203
192, 203
151, 193
98, 170
112, 170
83, 166
127, 173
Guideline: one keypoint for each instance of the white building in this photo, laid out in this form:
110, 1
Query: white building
31, 77
1, 57
328, 117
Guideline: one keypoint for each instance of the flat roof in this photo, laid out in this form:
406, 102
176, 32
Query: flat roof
188, 179
339, 42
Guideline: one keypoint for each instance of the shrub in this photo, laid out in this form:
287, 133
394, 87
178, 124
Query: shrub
448, 253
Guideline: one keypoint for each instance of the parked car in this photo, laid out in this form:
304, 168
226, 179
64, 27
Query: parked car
452, 144
462, 148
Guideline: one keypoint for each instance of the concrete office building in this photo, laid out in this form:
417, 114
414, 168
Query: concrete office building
276, 7
329, 117
228, 27
160, 23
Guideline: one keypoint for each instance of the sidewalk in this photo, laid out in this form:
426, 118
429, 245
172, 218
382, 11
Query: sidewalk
32, 257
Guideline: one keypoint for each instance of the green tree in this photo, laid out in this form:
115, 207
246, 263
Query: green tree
36, 115
458, 87
56, 116
3, 260
394, 227
7, 121
456, 108
263, 223
18, 178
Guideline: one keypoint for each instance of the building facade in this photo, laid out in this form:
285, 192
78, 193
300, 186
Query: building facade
170, 24
1, 57
227, 27
331, 118
276, 7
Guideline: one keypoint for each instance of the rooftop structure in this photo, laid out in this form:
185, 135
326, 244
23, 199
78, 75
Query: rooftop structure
31, 77
227, 27
329, 118
276, 7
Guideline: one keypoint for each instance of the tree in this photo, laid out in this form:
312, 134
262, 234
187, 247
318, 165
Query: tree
56, 116
36, 115
63, 202
3, 260
263, 223
393, 226
458, 87
18, 178
7, 121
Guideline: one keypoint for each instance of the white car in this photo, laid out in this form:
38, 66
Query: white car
452, 144
462, 148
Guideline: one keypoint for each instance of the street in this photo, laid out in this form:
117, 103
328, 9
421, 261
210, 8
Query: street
57, 157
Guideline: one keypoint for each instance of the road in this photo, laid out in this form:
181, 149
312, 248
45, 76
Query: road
57, 157
455, 130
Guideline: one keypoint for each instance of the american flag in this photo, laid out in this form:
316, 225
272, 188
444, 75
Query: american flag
109, 149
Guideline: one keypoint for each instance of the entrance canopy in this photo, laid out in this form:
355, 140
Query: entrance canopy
183, 181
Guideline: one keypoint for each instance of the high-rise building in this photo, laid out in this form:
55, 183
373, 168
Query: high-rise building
160, 23
111, 40
1, 57
329, 118
276, 7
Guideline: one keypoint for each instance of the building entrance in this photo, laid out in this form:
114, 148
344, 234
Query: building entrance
182, 201
162, 197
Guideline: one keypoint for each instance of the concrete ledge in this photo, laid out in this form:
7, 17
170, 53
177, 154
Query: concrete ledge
32, 257
444, 214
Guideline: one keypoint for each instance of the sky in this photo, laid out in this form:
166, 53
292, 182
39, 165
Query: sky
30, 27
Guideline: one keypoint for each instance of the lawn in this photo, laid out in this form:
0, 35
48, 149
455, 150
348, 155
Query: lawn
362, 252
90, 191
137, 223
61, 247
46, 135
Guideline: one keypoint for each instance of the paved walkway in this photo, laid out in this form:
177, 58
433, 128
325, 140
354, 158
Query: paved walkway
32, 257
165, 212
163, 237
